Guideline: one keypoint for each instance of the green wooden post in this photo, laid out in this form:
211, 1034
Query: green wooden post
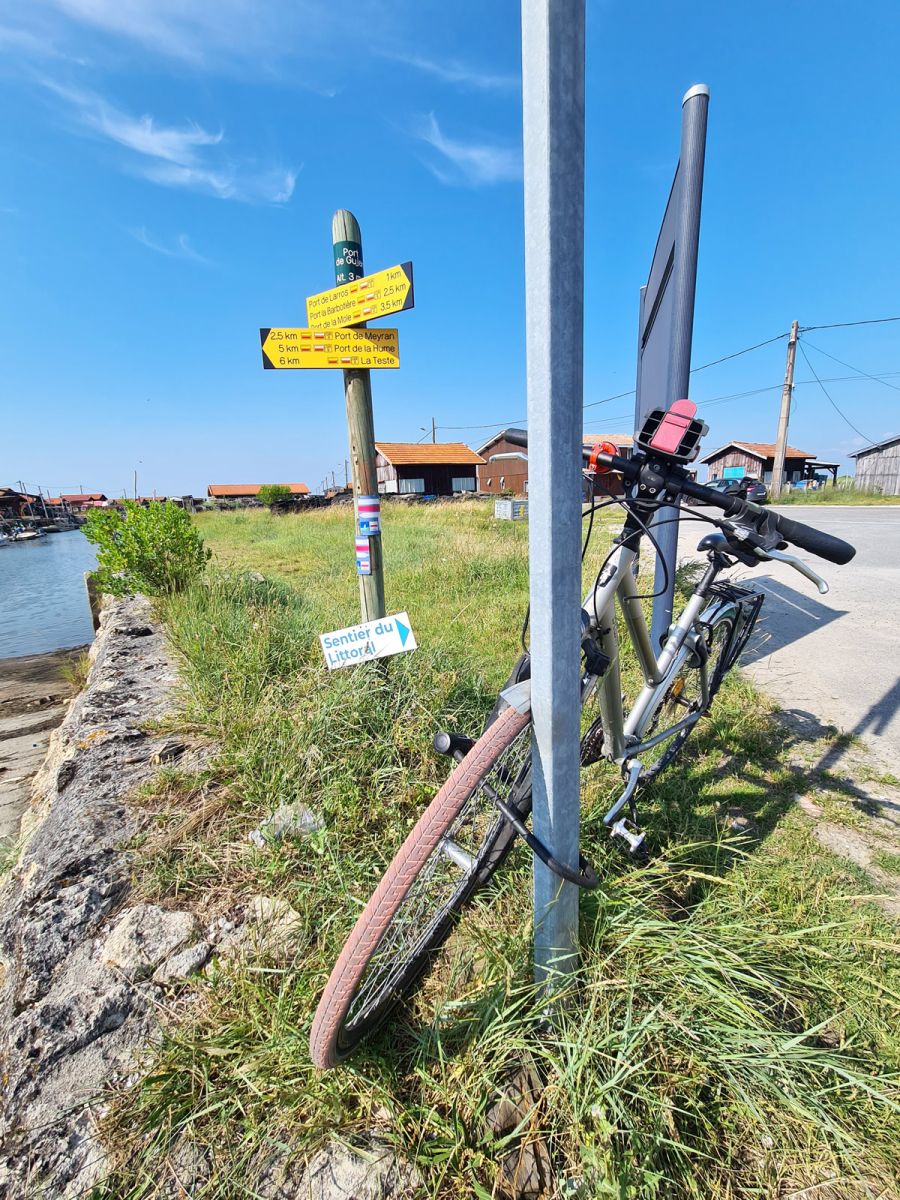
348, 265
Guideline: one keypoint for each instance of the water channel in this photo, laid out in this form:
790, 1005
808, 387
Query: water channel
43, 601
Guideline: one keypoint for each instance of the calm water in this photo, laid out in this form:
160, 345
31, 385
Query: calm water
43, 601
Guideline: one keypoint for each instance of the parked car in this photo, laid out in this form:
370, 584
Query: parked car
747, 488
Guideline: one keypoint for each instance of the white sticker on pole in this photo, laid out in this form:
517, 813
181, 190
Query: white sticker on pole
368, 515
363, 556
375, 639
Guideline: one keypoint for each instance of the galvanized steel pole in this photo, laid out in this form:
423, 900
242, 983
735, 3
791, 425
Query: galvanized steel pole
553, 125
695, 107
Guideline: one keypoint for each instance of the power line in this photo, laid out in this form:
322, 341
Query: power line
620, 395
828, 395
847, 324
851, 367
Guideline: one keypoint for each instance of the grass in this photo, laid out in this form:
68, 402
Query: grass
842, 494
735, 1029
75, 670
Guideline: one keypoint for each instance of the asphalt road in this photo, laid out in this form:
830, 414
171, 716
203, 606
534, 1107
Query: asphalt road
834, 659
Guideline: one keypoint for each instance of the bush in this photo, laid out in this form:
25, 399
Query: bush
269, 493
154, 550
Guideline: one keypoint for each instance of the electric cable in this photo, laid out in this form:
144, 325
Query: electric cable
850, 366
843, 416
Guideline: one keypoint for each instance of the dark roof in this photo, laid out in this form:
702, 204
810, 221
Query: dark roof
891, 441
758, 450
588, 439
82, 497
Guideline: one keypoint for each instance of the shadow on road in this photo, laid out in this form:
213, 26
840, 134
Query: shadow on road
787, 617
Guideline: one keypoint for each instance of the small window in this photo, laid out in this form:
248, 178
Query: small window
412, 485
463, 483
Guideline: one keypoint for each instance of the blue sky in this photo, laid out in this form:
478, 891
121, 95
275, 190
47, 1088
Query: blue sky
170, 168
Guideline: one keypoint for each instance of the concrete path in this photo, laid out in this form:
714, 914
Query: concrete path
835, 659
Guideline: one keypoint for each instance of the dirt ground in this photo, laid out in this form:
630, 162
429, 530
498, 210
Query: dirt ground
33, 695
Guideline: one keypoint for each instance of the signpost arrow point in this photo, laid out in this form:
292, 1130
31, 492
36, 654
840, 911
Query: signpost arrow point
403, 631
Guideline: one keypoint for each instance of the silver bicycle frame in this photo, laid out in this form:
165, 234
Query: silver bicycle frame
622, 736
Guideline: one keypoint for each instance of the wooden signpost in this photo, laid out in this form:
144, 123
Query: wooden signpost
337, 338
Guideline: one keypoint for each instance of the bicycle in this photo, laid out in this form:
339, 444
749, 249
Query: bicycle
469, 828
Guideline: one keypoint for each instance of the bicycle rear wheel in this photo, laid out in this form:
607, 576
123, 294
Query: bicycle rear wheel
458, 843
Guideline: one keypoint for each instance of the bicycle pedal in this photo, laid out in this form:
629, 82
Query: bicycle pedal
457, 745
634, 840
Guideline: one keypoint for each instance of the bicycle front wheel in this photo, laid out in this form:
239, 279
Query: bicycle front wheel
457, 844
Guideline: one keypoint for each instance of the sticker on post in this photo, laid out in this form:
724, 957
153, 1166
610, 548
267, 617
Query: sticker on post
361, 643
368, 516
363, 556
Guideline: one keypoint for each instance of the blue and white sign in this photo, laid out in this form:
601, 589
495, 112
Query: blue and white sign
734, 473
375, 639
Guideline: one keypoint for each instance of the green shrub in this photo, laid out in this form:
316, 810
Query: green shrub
269, 493
154, 550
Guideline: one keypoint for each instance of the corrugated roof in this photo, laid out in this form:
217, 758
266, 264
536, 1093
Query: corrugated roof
252, 489
82, 497
441, 453
759, 449
877, 446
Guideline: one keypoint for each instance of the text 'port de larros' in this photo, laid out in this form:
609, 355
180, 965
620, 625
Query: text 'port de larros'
374, 639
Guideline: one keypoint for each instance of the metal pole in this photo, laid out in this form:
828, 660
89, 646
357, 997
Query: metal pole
784, 416
348, 265
694, 110
553, 126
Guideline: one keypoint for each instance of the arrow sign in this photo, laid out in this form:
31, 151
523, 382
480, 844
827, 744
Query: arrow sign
374, 639
341, 348
365, 299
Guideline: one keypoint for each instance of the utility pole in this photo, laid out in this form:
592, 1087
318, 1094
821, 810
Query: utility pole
433, 432
135, 483
346, 241
553, 51
784, 416
346, 472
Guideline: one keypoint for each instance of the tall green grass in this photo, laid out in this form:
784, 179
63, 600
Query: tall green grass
734, 1032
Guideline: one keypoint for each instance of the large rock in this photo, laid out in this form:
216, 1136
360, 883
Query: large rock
71, 1021
145, 937
373, 1171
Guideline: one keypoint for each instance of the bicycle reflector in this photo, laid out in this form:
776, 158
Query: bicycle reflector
600, 448
675, 433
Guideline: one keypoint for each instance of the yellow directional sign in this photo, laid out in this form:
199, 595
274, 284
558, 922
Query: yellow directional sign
339, 348
364, 299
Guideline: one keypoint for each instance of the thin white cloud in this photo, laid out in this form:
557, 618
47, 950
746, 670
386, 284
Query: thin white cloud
180, 156
179, 248
454, 71
469, 164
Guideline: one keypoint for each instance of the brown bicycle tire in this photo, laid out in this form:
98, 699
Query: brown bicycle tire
325, 1036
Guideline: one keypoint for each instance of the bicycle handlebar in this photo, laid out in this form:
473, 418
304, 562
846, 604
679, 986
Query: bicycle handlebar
824, 545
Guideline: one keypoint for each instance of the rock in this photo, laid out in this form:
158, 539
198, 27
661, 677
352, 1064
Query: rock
289, 819
70, 1023
145, 937
169, 751
809, 806
183, 963
270, 927
373, 1172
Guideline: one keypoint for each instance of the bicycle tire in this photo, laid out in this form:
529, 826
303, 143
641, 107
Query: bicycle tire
336, 1029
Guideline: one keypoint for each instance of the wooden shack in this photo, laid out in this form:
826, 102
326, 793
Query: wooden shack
878, 467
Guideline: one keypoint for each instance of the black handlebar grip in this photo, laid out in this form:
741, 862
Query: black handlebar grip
814, 540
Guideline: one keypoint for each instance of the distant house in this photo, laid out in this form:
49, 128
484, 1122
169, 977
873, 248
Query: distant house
249, 491
758, 461
440, 469
78, 501
16, 504
878, 467
506, 465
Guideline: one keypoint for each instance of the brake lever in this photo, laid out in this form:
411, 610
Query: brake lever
793, 561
